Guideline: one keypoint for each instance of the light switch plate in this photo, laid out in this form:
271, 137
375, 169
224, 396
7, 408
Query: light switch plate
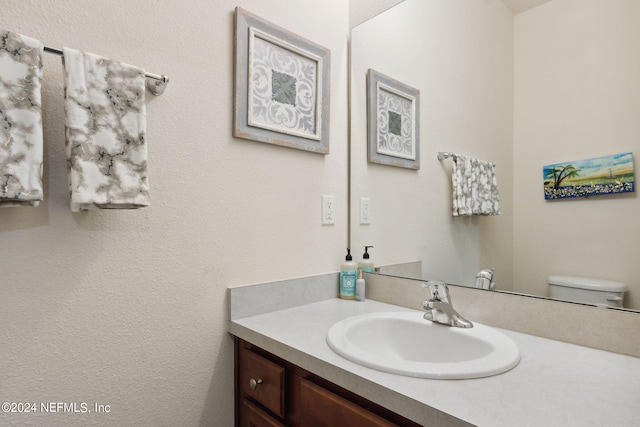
365, 210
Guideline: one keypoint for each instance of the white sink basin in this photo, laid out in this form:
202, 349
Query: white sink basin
406, 344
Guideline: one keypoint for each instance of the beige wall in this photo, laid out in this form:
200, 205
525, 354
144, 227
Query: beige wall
459, 54
362, 10
129, 308
576, 97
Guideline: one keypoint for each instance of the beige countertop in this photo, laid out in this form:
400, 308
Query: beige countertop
555, 383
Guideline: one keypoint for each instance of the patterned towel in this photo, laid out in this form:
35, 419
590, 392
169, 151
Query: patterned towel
475, 188
20, 120
105, 132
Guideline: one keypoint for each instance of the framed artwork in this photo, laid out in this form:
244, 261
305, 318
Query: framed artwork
393, 112
591, 177
281, 86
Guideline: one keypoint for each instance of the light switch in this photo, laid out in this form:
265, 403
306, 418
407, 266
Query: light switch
365, 210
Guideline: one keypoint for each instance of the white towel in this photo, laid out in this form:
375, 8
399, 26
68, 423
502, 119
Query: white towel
105, 131
475, 188
20, 120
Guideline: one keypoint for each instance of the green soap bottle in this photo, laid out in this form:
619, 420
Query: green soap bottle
348, 277
366, 264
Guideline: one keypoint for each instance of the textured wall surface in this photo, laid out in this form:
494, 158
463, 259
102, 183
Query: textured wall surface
129, 308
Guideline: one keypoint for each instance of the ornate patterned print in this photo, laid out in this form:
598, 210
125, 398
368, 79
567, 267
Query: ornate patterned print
395, 127
395, 123
20, 120
282, 90
475, 187
283, 87
105, 133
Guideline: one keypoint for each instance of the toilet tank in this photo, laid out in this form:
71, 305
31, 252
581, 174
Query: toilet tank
587, 290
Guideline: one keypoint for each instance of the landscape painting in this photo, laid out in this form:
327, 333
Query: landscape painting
590, 177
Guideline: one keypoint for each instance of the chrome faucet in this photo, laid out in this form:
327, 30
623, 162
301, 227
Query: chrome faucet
439, 307
484, 279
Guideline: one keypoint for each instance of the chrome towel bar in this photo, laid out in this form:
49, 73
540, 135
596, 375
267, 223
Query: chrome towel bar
156, 87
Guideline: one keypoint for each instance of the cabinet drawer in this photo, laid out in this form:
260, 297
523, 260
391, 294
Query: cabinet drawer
322, 408
263, 381
255, 417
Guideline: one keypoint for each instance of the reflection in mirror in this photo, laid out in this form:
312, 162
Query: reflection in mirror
552, 84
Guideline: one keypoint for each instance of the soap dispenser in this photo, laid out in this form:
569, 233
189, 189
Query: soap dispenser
348, 277
366, 265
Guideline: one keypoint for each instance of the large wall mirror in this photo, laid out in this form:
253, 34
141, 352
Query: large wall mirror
555, 83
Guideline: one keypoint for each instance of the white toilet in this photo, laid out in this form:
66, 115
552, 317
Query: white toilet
587, 290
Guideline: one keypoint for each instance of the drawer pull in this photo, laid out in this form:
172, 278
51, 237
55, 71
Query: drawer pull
254, 383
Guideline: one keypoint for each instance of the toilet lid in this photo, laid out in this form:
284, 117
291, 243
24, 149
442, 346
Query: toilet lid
587, 283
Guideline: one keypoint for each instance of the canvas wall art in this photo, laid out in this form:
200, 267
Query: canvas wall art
591, 177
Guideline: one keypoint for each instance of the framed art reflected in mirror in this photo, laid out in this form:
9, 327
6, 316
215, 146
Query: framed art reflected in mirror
393, 111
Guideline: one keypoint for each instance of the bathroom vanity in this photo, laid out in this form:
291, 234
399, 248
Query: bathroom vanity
270, 391
555, 383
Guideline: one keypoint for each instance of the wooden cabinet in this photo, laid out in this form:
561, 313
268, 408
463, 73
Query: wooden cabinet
271, 392
324, 408
255, 417
262, 381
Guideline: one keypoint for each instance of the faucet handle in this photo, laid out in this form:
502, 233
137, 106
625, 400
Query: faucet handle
487, 272
439, 290
439, 307
484, 279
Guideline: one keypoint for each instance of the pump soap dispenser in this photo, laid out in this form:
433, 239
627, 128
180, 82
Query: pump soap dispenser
348, 277
366, 265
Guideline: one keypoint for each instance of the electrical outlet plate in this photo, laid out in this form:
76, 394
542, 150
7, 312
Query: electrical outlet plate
365, 210
328, 210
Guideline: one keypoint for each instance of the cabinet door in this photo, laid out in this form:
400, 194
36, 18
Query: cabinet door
254, 417
321, 408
